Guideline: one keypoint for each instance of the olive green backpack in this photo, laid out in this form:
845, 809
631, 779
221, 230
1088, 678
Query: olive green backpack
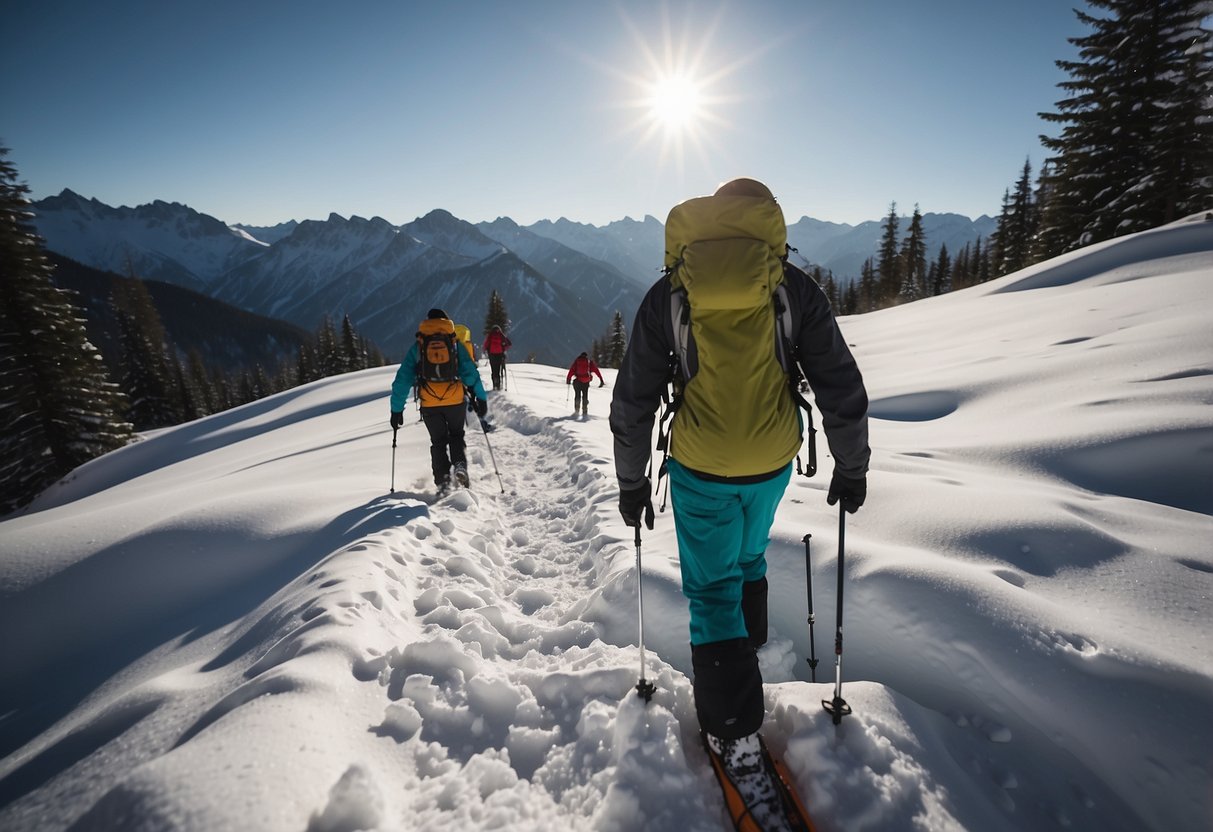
732, 412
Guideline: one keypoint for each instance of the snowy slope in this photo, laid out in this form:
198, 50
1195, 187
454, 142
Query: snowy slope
233, 624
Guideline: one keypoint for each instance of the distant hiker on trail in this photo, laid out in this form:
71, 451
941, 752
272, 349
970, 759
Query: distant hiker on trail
719, 310
441, 370
581, 373
495, 345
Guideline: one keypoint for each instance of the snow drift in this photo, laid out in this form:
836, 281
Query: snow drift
233, 625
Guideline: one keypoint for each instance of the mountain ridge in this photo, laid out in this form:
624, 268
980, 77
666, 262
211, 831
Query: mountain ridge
301, 271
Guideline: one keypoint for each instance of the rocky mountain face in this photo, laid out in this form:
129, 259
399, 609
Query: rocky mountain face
561, 281
384, 277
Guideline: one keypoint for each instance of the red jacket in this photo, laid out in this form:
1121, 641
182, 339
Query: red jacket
496, 343
581, 368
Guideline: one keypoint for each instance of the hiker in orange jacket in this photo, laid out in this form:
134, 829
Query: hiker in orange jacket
495, 345
581, 373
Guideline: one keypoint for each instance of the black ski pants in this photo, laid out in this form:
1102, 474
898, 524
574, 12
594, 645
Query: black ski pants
447, 446
497, 366
581, 394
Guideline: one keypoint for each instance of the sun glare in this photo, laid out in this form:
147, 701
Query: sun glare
682, 91
676, 102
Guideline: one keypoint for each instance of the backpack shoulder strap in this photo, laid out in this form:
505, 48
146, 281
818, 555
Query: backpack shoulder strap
680, 321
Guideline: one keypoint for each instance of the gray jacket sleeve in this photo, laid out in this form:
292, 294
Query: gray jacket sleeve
833, 376
639, 386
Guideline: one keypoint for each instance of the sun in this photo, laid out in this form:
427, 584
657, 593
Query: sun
676, 102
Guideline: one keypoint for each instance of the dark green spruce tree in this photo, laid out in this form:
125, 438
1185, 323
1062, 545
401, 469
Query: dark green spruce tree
149, 377
1012, 244
888, 261
616, 343
941, 272
914, 260
869, 290
497, 314
1135, 148
58, 408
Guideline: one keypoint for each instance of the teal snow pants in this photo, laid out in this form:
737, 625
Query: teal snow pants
723, 530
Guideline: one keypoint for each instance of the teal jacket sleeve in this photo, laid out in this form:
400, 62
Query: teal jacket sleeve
469, 374
406, 377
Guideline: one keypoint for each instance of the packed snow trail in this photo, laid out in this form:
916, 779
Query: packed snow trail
491, 701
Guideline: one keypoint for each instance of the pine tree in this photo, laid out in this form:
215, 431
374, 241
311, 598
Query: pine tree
616, 343
850, 299
349, 352
869, 291
201, 381
497, 314
307, 364
146, 360
58, 408
981, 262
941, 272
962, 273
825, 279
1021, 225
914, 260
1001, 230
328, 351
888, 264
1136, 143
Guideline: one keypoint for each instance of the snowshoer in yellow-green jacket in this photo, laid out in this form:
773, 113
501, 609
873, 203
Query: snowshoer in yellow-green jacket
727, 297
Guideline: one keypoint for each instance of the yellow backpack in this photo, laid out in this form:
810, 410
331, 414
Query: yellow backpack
733, 414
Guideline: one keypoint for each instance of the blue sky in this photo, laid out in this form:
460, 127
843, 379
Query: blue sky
260, 112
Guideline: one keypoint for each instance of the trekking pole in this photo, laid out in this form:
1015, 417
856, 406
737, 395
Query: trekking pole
394, 431
485, 430
644, 688
808, 570
838, 707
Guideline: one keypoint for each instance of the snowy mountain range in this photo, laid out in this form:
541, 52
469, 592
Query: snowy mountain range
842, 248
265, 619
561, 281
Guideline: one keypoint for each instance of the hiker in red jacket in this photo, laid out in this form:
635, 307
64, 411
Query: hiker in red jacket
580, 377
495, 346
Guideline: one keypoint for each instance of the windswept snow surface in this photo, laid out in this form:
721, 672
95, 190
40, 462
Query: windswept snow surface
233, 625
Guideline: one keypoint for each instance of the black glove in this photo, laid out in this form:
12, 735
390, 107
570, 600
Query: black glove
851, 490
635, 501
481, 407
397, 419
568, 381
602, 384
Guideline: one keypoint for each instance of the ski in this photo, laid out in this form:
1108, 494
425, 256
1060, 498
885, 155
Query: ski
795, 816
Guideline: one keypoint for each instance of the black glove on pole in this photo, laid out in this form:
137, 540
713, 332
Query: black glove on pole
852, 491
635, 503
